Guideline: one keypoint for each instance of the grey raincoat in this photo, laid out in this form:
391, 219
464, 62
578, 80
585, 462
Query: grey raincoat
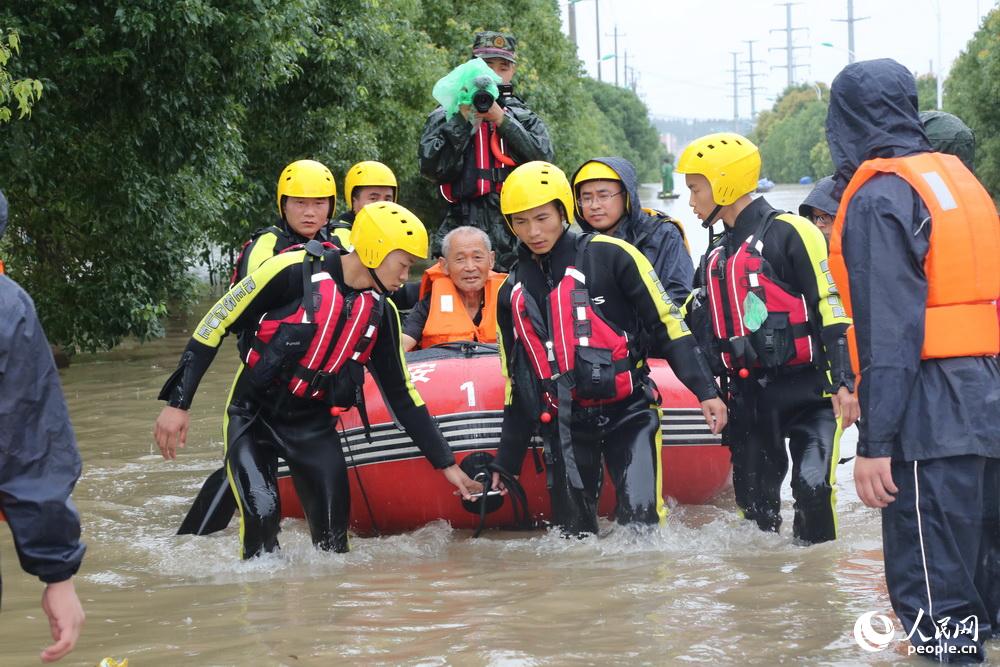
911, 409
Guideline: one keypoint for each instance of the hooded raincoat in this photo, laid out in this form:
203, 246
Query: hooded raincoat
911, 409
821, 197
447, 156
39, 461
938, 419
662, 243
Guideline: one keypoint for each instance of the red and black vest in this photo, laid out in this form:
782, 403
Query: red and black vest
328, 329
785, 337
571, 343
482, 172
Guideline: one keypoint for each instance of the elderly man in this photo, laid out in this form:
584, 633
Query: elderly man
458, 295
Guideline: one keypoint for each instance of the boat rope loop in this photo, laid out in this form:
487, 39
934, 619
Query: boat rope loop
480, 467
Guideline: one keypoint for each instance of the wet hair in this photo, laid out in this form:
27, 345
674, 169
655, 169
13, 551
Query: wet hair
464, 229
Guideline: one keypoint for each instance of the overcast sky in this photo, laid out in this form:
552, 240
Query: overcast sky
681, 48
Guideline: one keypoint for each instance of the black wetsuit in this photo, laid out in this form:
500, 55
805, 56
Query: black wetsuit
265, 423
268, 242
659, 240
624, 287
790, 402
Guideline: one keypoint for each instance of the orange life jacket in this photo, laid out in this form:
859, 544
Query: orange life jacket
448, 320
962, 269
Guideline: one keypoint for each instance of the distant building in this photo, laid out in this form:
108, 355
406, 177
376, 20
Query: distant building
670, 142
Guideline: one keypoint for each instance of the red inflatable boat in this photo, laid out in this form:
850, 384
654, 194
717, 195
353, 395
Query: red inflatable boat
464, 389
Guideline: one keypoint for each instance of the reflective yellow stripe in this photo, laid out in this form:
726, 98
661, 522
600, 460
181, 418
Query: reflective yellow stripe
661, 507
225, 451
834, 462
414, 395
216, 322
831, 309
261, 250
687, 303
508, 389
669, 314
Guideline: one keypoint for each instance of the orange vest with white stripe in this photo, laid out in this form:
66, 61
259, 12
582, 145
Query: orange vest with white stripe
448, 320
962, 266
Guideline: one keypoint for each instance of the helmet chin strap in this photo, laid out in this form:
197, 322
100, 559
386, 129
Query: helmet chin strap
710, 220
378, 283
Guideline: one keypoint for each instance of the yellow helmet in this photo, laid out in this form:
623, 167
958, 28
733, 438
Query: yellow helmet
730, 162
306, 178
534, 184
382, 227
369, 173
595, 171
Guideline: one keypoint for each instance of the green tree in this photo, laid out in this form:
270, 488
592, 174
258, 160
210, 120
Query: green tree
135, 146
164, 126
792, 135
972, 92
623, 110
25, 91
926, 92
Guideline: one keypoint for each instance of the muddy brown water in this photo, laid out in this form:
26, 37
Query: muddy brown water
705, 588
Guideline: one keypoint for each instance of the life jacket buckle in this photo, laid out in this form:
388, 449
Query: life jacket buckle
319, 381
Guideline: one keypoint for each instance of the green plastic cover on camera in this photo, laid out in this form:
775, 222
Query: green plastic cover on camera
458, 86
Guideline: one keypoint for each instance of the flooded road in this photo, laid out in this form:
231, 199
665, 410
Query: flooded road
706, 588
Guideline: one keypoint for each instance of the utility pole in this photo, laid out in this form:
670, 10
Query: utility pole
753, 88
572, 21
616, 35
789, 48
736, 91
597, 16
850, 21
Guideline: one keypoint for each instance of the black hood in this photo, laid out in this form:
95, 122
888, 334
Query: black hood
820, 197
873, 113
633, 205
948, 134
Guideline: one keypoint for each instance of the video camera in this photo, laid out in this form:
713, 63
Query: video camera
482, 99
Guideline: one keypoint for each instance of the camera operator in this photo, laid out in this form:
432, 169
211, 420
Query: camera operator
456, 153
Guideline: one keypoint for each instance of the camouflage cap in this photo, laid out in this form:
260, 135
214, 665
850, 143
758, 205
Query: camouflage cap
491, 44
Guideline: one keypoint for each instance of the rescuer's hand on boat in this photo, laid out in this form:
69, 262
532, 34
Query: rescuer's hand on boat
846, 407
465, 485
171, 431
873, 480
499, 485
716, 415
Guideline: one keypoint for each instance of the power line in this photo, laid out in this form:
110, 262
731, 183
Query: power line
850, 21
789, 48
750, 62
736, 90
616, 35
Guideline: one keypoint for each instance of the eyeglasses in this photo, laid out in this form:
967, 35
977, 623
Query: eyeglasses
601, 198
823, 219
